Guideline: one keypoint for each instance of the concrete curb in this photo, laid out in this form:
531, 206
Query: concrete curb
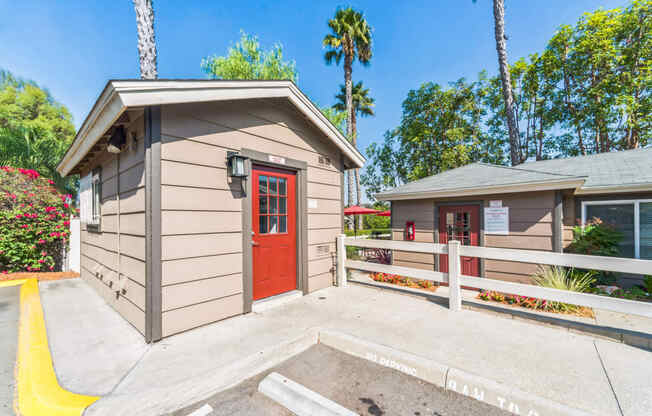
449, 378
39, 392
298, 399
158, 401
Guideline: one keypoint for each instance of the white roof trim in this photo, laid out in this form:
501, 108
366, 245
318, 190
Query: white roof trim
612, 189
118, 96
486, 190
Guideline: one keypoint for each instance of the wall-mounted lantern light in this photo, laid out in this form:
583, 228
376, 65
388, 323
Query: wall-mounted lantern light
237, 168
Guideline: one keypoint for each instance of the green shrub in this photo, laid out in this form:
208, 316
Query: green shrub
564, 279
34, 222
647, 282
597, 239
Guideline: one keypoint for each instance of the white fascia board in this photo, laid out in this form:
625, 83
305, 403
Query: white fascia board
613, 189
120, 95
107, 110
485, 190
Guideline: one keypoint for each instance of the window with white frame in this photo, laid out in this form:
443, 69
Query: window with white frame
632, 218
90, 194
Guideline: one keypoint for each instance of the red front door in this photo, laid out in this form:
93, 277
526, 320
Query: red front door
460, 223
274, 232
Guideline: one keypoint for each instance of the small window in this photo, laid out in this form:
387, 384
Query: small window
96, 199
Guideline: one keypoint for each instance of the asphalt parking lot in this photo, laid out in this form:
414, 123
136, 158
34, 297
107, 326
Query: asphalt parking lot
9, 314
357, 384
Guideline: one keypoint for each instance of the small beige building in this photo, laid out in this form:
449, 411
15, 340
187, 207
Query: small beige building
199, 198
532, 206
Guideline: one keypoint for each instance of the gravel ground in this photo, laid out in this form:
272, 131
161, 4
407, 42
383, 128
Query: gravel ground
357, 384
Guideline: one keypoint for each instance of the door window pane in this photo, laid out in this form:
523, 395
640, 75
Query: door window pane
273, 205
645, 224
620, 218
282, 205
282, 224
273, 224
281, 186
262, 224
272, 185
262, 184
262, 207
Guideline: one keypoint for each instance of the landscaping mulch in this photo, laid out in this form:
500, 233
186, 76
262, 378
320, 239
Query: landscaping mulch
41, 276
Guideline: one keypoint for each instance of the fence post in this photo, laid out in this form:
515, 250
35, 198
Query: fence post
341, 259
455, 295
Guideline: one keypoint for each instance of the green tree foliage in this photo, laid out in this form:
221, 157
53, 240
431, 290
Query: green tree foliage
338, 118
35, 130
441, 128
247, 60
589, 91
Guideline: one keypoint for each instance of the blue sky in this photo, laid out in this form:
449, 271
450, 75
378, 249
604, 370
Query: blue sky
74, 47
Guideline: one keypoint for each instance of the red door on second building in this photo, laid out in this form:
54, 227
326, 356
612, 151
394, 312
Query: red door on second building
274, 232
462, 223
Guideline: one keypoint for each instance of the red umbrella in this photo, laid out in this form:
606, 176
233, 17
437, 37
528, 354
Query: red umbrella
356, 210
387, 213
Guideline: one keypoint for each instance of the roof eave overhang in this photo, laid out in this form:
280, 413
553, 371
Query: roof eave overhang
574, 183
118, 96
614, 189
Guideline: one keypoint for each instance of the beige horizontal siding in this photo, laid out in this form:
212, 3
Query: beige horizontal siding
190, 151
198, 199
185, 270
199, 222
314, 251
132, 201
133, 224
421, 212
317, 221
421, 266
133, 178
325, 206
318, 190
420, 236
321, 236
134, 291
132, 246
133, 268
519, 242
412, 257
320, 175
184, 174
320, 266
195, 245
320, 281
123, 306
184, 294
182, 319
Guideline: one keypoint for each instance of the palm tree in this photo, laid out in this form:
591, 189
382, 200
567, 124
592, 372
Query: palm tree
362, 105
350, 38
146, 39
501, 49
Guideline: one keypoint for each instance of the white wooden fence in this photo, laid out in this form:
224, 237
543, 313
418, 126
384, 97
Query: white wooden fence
456, 279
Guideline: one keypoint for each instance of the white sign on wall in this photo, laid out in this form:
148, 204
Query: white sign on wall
496, 220
496, 203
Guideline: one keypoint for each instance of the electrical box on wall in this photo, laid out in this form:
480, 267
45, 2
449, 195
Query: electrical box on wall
409, 231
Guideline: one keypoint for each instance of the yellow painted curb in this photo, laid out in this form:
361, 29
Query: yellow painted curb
7, 283
39, 392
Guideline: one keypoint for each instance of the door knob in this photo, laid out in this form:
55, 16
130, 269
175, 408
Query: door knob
253, 243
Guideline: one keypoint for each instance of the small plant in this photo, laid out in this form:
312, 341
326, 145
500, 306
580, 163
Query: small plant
647, 282
498, 297
564, 279
484, 295
598, 239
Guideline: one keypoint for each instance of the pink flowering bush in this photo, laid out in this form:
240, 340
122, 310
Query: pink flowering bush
34, 222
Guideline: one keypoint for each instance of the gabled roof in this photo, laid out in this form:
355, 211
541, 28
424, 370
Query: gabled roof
120, 95
624, 171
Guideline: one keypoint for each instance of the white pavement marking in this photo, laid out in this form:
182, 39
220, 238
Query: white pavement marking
202, 411
298, 399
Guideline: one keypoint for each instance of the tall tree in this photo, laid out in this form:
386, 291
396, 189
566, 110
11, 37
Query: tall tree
363, 105
35, 130
350, 38
247, 60
146, 39
501, 48
441, 129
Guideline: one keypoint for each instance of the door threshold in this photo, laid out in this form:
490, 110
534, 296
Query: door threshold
262, 305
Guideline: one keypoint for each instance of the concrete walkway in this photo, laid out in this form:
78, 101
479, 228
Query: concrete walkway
9, 314
594, 375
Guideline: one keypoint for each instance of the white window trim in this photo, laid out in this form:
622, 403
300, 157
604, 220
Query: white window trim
637, 218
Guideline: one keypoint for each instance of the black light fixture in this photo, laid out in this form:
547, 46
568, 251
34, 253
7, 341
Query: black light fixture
237, 168
117, 140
